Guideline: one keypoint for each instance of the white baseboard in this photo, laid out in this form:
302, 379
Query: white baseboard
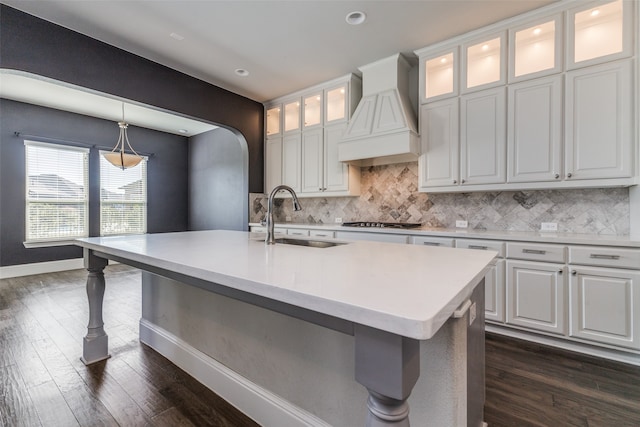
258, 403
40, 268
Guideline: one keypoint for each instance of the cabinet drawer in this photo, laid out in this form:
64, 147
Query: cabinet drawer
491, 245
605, 257
263, 229
375, 237
536, 252
297, 232
322, 233
433, 241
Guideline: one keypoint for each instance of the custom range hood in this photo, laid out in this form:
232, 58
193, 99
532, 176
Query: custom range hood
383, 127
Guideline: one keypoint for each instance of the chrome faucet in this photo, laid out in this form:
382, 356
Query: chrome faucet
270, 240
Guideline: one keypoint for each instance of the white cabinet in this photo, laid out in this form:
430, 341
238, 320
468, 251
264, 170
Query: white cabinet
599, 122
291, 119
484, 62
598, 32
494, 291
273, 120
312, 111
535, 48
534, 142
291, 161
433, 241
273, 157
483, 137
605, 305
322, 172
536, 295
438, 163
439, 77
374, 237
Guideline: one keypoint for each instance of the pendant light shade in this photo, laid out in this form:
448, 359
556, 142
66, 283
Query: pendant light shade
117, 156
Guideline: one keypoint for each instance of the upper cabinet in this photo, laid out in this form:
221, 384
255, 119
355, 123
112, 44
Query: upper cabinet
535, 49
273, 120
598, 32
312, 113
484, 62
292, 116
548, 99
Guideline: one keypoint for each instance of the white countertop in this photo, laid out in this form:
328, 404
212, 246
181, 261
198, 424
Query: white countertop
408, 290
461, 233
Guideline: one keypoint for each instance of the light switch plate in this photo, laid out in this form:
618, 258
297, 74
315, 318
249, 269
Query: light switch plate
549, 226
338, 220
462, 224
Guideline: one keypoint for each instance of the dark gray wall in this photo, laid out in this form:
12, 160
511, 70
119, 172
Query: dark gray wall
36, 46
167, 174
218, 196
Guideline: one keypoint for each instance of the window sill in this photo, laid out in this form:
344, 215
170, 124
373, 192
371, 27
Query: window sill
47, 244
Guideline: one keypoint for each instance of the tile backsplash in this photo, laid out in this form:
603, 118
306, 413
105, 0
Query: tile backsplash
390, 193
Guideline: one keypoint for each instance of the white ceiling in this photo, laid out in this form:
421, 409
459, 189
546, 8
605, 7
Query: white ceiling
285, 45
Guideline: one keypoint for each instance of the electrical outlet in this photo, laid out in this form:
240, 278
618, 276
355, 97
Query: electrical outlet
462, 224
549, 226
288, 218
338, 220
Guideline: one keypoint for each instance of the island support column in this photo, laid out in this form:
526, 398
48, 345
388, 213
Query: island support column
388, 365
95, 345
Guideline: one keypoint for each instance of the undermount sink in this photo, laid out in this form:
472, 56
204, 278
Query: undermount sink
310, 243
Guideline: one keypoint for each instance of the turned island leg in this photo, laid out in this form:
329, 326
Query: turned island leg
388, 365
95, 346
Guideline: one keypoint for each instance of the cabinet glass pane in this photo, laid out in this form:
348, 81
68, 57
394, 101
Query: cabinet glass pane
483, 63
336, 103
273, 121
439, 76
598, 31
291, 116
312, 110
535, 49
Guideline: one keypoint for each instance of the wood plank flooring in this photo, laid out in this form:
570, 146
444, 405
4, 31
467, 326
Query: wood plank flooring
43, 382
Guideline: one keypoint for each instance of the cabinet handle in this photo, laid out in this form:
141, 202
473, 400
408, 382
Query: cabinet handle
478, 247
556, 176
604, 256
431, 243
569, 175
573, 273
533, 251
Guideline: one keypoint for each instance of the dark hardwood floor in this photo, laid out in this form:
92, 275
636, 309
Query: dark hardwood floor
43, 382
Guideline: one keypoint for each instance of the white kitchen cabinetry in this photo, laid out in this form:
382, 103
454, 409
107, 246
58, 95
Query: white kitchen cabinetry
374, 237
273, 119
534, 143
291, 161
599, 122
535, 48
312, 161
598, 32
440, 75
536, 295
483, 137
312, 111
433, 241
438, 163
291, 119
273, 156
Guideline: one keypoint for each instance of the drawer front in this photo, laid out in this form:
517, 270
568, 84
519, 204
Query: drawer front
536, 252
322, 233
297, 232
433, 241
491, 245
605, 257
262, 229
375, 237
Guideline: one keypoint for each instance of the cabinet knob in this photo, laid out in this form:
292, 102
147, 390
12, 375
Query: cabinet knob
573, 273
463, 181
455, 181
559, 271
556, 176
569, 175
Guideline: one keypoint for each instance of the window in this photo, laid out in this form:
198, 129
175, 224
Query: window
57, 201
123, 199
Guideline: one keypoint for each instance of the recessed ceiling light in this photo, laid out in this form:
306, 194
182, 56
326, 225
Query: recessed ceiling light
356, 17
176, 36
242, 72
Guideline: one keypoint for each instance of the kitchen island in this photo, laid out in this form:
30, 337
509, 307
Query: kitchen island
390, 298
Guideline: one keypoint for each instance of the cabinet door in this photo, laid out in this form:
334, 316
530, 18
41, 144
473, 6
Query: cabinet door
291, 161
536, 295
494, 292
312, 164
273, 119
439, 75
484, 63
438, 163
605, 305
273, 166
312, 112
336, 104
336, 173
534, 143
291, 118
535, 49
483, 137
599, 122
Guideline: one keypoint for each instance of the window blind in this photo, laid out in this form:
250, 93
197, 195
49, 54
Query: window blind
123, 199
57, 201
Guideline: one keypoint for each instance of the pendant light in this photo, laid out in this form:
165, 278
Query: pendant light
117, 156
